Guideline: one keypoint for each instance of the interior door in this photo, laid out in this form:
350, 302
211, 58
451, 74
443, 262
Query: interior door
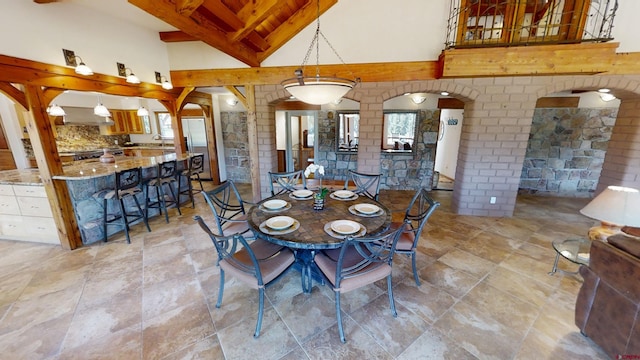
299, 129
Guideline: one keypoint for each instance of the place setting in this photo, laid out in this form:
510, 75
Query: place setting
343, 195
366, 210
302, 194
279, 225
274, 205
340, 229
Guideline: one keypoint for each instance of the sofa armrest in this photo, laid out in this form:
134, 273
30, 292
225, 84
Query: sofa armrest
617, 268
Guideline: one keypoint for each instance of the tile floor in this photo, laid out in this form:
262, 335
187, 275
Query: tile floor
485, 293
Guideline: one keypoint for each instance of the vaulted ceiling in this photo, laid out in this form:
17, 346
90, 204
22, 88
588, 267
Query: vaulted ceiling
248, 30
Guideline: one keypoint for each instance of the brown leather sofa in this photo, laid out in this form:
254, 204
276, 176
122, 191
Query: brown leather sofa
608, 305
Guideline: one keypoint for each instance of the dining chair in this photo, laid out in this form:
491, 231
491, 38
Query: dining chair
228, 210
360, 261
249, 264
286, 182
366, 184
418, 212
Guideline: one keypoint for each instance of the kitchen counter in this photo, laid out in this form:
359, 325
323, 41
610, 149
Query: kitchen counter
21, 177
93, 168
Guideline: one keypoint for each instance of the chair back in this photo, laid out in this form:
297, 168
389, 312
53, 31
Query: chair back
286, 182
229, 249
362, 255
128, 181
167, 169
366, 184
225, 203
418, 212
196, 164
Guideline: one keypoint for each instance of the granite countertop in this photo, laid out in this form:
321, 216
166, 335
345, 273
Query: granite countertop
93, 168
21, 177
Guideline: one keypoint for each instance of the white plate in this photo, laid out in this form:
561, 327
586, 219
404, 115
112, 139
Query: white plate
274, 204
367, 208
302, 193
345, 227
279, 222
344, 194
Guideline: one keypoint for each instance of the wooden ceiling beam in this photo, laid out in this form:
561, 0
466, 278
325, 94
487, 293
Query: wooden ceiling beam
298, 21
21, 71
199, 27
225, 14
369, 72
14, 93
252, 14
187, 7
176, 36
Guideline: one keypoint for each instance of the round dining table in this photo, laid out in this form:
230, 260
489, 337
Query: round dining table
311, 229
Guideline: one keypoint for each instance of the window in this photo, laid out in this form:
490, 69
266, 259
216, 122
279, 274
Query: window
399, 130
347, 132
164, 125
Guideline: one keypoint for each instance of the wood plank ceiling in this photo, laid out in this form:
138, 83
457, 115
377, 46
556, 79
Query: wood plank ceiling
248, 30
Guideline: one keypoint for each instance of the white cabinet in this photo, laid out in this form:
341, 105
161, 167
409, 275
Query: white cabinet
25, 214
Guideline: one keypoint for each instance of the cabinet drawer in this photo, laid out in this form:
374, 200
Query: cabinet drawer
6, 189
25, 228
9, 205
34, 206
25, 190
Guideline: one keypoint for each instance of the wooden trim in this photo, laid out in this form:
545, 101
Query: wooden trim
450, 103
558, 102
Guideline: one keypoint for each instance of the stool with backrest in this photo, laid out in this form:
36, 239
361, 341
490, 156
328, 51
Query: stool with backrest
287, 182
165, 178
366, 184
128, 184
192, 173
418, 212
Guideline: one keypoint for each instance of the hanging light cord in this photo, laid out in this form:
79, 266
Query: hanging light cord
317, 44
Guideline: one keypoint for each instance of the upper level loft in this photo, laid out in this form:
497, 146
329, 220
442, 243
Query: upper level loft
494, 23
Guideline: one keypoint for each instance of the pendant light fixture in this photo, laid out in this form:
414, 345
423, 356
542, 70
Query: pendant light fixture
318, 90
55, 110
101, 110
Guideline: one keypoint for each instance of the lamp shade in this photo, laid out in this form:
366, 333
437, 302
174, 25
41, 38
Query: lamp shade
615, 205
142, 111
101, 110
318, 90
56, 110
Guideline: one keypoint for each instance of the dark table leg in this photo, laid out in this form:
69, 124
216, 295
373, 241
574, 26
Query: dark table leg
308, 269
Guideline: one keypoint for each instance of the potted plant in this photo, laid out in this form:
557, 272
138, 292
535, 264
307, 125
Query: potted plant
318, 197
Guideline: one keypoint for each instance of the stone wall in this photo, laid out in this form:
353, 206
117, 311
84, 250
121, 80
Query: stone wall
336, 164
236, 152
411, 171
566, 151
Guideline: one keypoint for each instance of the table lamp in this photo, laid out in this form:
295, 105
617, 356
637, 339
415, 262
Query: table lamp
616, 207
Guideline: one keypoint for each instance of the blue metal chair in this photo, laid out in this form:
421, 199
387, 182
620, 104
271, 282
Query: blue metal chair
366, 184
418, 212
248, 263
287, 182
360, 261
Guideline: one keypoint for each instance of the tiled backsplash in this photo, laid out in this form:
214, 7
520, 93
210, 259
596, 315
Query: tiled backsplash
80, 137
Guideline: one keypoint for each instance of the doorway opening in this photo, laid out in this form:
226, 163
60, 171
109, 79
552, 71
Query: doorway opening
449, 132
296, 138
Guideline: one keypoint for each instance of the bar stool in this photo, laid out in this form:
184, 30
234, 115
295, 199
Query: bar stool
165, 176
192, 173
128, 185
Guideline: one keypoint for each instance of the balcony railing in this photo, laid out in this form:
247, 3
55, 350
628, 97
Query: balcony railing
491, 23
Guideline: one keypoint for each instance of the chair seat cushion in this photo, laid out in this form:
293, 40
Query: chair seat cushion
407, 238
269, 268
366, 276
264, 249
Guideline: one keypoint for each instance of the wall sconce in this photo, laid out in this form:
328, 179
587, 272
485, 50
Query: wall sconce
55, 110
101, 110
130, 76
444, 93
142, 111
70, 59
166, 84
418, 98
232, 101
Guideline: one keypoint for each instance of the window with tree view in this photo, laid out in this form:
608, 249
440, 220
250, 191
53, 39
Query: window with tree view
399, 130
164, 125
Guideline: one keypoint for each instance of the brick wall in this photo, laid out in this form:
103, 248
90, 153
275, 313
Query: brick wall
495, 132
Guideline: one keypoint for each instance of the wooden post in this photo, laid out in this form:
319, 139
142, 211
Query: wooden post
252, 130
46, 152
